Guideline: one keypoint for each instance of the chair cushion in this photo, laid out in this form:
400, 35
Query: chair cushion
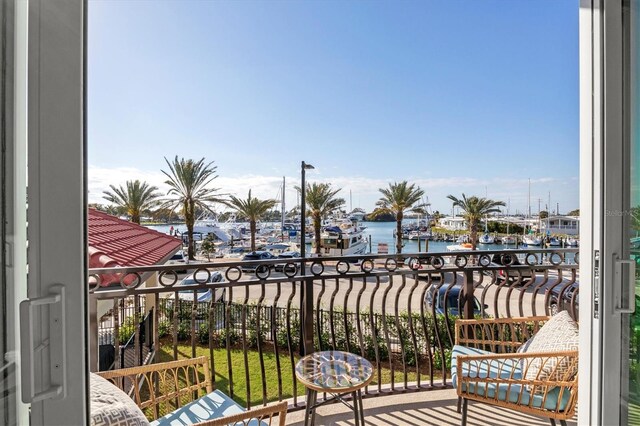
112, 407
483, 370
211, 406
558, 334
511, 393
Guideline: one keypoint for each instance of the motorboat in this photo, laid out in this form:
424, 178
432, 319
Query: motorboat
532, 240
554, 242
342, 238
571, 242
509, 240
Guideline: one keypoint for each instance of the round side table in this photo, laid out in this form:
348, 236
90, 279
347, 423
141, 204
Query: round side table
337, 373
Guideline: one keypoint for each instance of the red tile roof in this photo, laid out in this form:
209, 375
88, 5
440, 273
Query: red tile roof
115, 242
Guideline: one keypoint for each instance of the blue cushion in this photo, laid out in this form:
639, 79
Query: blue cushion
504, 370
209, 407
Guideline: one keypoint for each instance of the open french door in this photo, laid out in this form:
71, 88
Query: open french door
43, 370
610, 212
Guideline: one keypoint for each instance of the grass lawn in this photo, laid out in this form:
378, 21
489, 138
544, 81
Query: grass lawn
271, 372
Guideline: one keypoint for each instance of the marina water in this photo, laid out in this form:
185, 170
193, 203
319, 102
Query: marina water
380, 232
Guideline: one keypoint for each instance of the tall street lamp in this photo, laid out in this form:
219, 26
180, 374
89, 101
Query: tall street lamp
306, 287
303, 247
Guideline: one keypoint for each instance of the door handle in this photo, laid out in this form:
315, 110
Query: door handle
56, 344
629, 286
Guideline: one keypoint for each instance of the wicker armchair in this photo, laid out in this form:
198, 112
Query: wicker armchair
169, 391
486, 369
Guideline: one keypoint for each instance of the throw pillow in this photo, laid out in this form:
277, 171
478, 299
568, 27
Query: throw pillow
112, 407
559, 334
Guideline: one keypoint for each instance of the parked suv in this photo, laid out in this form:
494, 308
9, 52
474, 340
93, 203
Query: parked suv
525, 275
438, 299
255, 256
288, 257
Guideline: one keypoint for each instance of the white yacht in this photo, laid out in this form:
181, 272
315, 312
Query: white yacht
509, 240
206, 226
344, 238
571, 242
532, 240
357, 215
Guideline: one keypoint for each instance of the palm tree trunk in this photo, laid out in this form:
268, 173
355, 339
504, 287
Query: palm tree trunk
399, 216
189, 220
135, 218
474, 235
252, 228
316, 233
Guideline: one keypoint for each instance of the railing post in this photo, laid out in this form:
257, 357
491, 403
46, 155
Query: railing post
468, 299
306, 325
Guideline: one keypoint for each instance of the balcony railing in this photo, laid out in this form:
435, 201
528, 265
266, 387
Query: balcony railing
398, 311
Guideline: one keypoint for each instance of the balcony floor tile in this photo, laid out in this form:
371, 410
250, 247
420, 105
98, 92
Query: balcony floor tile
419, 408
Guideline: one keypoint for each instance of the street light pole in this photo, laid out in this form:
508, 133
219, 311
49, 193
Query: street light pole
306, 287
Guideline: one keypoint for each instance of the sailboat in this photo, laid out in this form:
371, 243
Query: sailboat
530, 239
486, 238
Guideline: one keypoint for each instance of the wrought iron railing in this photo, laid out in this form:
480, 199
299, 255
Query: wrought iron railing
398, 311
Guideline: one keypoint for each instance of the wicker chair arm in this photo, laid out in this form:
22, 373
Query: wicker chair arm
264, 414
507, 362
472, 374
497, 334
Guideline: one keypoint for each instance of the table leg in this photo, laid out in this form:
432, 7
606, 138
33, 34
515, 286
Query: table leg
356, 414
309, 411
361, 408
313, 409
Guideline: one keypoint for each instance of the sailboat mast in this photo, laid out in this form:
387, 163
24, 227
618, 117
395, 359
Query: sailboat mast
283, 208
548, 209
508, 218
350, 202
529, 201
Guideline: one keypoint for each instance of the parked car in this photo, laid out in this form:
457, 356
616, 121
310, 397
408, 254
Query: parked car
204, 295
288, 257
438, 299
255, 256
525, 275
558, 303
178, 258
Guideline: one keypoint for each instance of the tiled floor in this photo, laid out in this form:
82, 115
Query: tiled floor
436, 407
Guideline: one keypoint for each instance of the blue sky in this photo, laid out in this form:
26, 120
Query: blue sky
457, 96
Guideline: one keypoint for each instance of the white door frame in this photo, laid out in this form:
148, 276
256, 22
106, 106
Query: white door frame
604, 209
590, 217
56, 214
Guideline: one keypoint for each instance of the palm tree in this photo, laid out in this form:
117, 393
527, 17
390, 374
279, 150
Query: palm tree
321, 200
134, 198
397, 199
188, 180
475, 208
252, 209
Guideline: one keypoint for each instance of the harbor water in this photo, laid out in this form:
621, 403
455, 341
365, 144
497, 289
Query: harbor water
380, 232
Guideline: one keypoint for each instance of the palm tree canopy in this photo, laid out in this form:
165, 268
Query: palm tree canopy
321, 199
475, 208
188, 181
250, 208
398, 198
134, 197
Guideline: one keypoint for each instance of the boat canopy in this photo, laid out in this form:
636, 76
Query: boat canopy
335, 229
